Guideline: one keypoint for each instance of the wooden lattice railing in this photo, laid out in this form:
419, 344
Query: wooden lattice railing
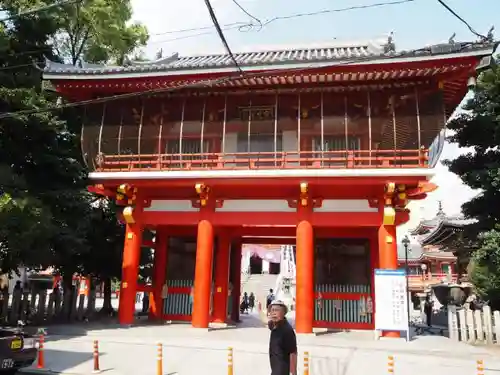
265, 160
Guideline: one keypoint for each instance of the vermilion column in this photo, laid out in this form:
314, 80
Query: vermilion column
221, 279
130, 272
236, 293
159, 273
388, 257
304, 299
203, 275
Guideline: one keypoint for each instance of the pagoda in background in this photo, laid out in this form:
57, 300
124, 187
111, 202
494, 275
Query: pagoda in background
434, 251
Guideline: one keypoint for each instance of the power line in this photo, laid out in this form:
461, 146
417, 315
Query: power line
221, 34
259, 22
204, 84
246, 26
455, 14
40, 9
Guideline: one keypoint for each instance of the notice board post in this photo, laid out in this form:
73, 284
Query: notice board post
391, 300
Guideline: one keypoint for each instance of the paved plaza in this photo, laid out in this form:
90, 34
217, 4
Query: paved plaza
187, 351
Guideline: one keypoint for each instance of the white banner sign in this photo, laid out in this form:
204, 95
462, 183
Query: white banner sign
391, 300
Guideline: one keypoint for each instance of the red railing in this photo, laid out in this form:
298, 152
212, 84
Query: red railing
430, 279
265, 160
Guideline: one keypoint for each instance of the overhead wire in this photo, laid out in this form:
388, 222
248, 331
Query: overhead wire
40, 9
247, 26
211, 12
241, 26
202, 84
457, 16
259, 22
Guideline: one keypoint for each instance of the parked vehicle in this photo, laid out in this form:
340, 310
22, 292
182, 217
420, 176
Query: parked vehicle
17, 350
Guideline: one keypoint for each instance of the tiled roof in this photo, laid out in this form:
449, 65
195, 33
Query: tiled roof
267, 59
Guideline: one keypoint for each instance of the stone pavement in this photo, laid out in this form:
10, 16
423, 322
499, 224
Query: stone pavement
131, 351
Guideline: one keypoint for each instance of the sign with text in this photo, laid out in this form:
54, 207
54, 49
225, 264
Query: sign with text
391, 300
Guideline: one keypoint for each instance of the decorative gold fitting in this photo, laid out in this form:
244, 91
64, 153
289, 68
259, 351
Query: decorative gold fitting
128, 215
390, 187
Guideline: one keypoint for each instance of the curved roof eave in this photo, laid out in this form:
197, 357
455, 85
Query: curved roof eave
264, 61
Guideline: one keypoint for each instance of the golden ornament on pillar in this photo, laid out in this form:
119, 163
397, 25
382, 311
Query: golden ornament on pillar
304, 197
202, 190
390, 188
128, 215
389, 215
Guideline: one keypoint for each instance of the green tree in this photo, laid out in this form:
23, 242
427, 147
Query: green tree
478, 128
90, 30
25, 144
484, 267
98, 31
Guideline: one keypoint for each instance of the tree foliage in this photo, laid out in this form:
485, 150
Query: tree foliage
478, 128
47, 217
484, 268
91, 30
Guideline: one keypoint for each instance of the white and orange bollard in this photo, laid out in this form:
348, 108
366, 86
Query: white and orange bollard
390, 364
159, 359
306, 363
41, 355
480, 367
95, 355
230, 365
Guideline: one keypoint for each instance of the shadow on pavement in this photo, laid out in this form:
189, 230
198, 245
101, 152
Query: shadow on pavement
57, 361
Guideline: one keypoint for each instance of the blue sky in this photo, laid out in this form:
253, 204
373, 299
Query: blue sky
414, 24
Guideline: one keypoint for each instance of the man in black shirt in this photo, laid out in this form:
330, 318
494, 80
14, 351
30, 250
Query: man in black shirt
282, 343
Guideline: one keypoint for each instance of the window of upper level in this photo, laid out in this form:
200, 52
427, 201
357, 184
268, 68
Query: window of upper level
318, 129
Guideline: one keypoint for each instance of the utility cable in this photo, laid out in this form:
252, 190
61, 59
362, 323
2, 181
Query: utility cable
259, 22
40, 9
221, 35
246, 26
203, 84
455, 14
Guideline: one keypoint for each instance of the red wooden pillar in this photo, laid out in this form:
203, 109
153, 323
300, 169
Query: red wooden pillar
130, 272
388, 257
304, 315
236, 292
221, 279
159, 273
203, 275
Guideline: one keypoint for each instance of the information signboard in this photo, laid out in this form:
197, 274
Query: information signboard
391, 300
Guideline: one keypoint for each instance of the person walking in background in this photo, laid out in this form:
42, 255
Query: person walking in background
244, 303
282, 342
251, 301
428, 305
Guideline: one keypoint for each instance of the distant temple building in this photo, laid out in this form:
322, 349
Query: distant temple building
432, 251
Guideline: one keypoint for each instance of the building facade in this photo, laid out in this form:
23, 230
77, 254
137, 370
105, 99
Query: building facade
320, 147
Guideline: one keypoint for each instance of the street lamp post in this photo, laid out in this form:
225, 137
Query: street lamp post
406, 243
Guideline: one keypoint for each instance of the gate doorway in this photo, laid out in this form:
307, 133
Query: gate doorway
255, 265
274, 268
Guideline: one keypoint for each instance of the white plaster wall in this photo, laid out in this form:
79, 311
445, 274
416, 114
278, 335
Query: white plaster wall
255, 205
